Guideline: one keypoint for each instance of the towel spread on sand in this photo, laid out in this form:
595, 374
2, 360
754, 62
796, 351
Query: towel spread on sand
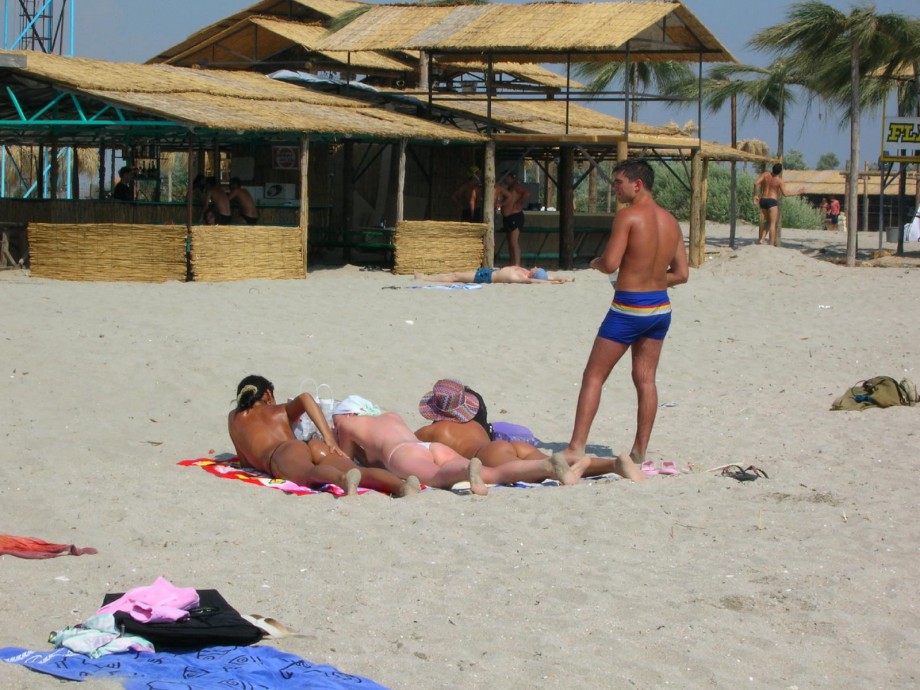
28, 547
217, 668
232, 469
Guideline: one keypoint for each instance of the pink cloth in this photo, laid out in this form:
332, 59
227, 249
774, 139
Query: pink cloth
161, 602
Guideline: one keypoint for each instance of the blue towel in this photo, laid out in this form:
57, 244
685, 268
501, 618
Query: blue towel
246, 668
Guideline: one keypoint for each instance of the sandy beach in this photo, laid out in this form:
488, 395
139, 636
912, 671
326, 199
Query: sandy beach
802, 580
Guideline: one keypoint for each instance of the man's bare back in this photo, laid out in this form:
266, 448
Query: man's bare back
646, 246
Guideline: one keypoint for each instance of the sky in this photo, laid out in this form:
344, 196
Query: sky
136, 30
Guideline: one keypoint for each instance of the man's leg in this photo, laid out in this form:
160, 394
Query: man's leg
604, 356
455, 277
762, 227
772, 217
514, 246
645, 355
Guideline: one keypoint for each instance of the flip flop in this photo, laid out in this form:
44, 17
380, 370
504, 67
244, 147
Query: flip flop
668, 467
648, 467
743, 474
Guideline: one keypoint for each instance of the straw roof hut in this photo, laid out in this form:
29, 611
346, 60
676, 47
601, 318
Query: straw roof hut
655, 31
236, 105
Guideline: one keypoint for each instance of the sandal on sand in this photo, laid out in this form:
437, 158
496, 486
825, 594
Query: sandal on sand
648, 467
668, 467
744, 474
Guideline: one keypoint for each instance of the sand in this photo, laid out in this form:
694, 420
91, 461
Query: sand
803, 580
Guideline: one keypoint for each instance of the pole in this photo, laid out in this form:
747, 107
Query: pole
488, 206
304, 197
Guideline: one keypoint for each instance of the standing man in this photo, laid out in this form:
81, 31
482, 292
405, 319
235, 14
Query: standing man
646, 246
833, 214
771, 187
243, 199
124, 190
468, 197
514, 196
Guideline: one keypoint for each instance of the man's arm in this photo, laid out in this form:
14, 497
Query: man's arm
610, 260
679, 269
523, 194
757, 186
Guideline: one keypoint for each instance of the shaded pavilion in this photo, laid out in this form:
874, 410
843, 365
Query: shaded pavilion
52, 101
560, 33
446, 45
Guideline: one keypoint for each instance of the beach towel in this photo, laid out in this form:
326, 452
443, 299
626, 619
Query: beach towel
212, 668
28, 547
450, 286
232, 469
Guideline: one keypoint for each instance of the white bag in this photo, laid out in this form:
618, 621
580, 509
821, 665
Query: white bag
304, 428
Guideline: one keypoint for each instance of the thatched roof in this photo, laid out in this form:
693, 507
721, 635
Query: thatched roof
257, 39
234, 103
537, 32
302, 10
525, 72
834, 182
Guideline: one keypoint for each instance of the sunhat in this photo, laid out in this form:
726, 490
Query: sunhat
448, 401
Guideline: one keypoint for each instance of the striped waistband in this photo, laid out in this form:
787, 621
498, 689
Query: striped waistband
641, 303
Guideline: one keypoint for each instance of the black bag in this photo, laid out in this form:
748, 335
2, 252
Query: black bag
212, 622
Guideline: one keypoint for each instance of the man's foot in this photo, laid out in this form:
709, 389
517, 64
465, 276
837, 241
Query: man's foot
410, 487
627, 469
567, 472
352, 479
477, 486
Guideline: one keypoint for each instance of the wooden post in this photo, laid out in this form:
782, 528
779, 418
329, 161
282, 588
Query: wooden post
488, 206
102, 169
704, 202
566, 207
304, 197
592, 190
401, 182
190, 192
55, 170
622, 155
348, 187
696, 239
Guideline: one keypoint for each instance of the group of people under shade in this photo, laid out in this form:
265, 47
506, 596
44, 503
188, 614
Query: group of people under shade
647, 255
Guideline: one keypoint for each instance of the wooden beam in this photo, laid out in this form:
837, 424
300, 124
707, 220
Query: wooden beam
566, 208
488, 206
696, 238
304, 219
401, 182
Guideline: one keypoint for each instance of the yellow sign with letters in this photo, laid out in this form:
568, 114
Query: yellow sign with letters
901, 140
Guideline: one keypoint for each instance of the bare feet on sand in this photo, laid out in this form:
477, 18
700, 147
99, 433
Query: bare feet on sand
352, 479
568, 471
477, 486
626, 468
410, 487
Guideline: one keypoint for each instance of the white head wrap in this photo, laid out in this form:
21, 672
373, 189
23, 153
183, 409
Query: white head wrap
355, 404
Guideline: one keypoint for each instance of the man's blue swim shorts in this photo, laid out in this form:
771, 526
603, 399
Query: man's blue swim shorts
635, 315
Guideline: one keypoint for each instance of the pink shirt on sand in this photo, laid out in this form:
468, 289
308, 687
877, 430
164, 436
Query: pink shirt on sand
161, 602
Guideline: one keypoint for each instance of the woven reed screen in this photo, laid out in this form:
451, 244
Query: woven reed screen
107, 252
430, 246
243, 252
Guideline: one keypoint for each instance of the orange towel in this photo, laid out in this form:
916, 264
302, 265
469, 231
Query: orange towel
27, 547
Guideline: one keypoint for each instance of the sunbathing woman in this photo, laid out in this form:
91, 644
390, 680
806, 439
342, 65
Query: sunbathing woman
261, 433
460, 421
382, 439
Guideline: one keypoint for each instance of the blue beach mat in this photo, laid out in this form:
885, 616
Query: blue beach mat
217, 668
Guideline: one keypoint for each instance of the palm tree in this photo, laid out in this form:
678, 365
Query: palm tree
817, 39
762, 90
662, 76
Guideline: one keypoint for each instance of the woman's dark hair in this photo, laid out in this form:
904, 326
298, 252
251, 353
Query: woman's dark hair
251, 390
482, 414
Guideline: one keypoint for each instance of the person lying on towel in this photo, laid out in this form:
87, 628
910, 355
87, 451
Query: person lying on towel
261, 432
382, 439
508, 274
460, 421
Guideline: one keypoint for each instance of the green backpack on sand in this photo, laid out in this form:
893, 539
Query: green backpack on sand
879, 391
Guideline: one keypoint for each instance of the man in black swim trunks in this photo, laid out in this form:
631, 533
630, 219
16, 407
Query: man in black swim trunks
511, 203
771, 188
